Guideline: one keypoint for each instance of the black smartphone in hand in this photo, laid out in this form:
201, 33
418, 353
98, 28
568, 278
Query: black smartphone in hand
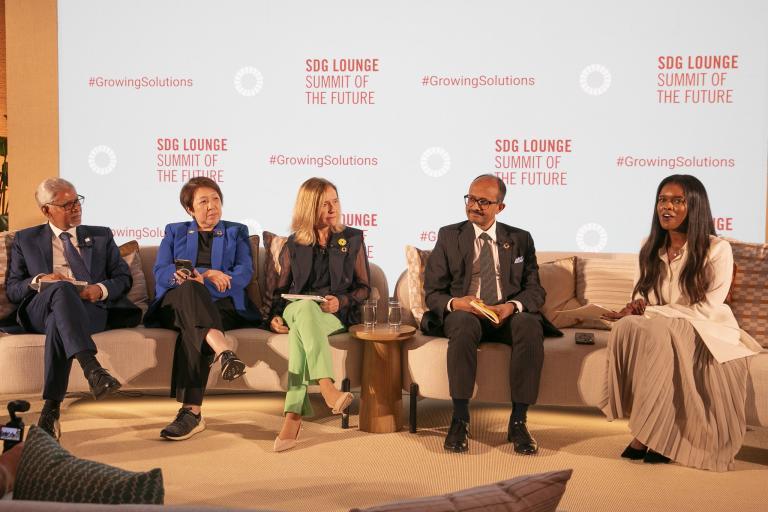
184, 267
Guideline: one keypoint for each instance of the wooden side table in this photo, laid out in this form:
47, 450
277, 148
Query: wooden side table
381, 399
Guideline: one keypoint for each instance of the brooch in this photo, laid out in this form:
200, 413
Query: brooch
342, 242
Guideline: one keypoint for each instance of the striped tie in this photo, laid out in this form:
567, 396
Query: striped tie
74, 260
487, 272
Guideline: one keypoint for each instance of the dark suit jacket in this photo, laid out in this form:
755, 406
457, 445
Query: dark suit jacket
32, 254
230, 253
346, 284
449, 271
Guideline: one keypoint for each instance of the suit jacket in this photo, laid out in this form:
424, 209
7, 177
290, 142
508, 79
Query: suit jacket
230, 253
449, 271
349, 286
32, 254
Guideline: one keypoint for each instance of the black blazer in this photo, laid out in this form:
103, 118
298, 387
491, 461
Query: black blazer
449, 271
346, 251
32, 254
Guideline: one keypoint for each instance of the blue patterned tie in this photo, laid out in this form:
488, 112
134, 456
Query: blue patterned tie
74, 260
488, 291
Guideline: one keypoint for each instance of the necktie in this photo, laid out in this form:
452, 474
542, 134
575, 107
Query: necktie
487, 272
74, 260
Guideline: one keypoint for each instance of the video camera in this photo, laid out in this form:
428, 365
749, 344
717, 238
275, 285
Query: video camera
12, 433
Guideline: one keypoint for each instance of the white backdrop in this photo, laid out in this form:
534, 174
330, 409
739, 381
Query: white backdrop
582, 107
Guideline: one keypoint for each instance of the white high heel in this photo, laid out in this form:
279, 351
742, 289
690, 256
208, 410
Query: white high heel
285, 444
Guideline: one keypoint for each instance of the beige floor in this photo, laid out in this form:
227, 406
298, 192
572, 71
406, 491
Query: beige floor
232, 464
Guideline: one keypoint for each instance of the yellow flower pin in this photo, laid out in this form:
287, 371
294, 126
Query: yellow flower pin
342, 242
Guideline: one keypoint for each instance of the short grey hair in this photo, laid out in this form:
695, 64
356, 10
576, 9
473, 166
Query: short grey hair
49, 188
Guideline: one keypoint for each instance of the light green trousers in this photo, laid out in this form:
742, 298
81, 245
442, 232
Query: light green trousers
309, 354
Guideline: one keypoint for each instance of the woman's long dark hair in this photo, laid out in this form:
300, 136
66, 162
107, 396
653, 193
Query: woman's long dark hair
695, 277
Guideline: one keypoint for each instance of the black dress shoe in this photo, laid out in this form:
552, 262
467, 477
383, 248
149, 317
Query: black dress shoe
231, 365
653, 457
456, 440
49, 422
102, 384
634, 453
522, 439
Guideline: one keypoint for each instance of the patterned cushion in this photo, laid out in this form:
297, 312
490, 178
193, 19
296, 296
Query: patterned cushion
749, 292
417, 262
606, 282
138, 293
6, 241
273, 244
47, 472
559, 280
539, 493
253, 289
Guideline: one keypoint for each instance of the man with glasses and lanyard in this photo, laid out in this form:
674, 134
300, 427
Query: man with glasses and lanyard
69, 282
487, 261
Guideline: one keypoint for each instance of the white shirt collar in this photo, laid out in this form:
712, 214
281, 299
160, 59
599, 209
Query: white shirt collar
491, 231
57, 232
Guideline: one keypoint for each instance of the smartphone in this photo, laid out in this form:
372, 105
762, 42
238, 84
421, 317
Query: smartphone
184, 267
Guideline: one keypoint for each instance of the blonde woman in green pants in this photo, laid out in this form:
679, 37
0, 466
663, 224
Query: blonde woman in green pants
322, 257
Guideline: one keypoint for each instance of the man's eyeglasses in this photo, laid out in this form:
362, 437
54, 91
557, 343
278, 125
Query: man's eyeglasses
70, 206
479, 201
676, 201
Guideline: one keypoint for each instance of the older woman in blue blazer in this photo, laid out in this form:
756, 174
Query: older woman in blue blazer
201, 272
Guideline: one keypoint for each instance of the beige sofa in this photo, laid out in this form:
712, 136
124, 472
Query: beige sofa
573, 375
141, 358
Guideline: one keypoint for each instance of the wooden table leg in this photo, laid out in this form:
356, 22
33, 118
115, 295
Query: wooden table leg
381, 400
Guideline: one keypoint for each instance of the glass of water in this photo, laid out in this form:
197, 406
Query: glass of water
394, 314
369, 314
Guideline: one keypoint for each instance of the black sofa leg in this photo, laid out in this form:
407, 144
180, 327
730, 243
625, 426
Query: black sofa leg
345, 386
414, 402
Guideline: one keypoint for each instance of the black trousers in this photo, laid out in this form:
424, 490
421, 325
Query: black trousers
191, 310
68, 323
522, 331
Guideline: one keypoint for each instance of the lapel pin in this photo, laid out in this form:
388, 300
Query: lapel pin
343, 249
342, 242
506, 245
191, 231
219, 232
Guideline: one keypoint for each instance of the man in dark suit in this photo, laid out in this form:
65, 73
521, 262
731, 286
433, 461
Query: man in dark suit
51, 258
483, 260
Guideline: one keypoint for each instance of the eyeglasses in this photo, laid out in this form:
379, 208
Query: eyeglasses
676, 201
482, 203
70, 206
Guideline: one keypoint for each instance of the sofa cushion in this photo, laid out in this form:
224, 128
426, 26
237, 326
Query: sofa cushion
273, 244
417, 262
749, 292
539, 493
254, 289
604, 281
48, 472
6, 242
559, 280
138, 294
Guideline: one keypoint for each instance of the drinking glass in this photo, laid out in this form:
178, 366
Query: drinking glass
369, 314
394, 314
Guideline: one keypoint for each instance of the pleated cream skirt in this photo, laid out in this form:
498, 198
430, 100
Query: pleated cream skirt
680, 401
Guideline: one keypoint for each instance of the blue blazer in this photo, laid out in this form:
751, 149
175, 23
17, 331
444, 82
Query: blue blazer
32, 254
231, 254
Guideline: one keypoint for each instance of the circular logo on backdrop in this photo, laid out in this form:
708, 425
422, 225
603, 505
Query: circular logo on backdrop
257, 77
433, 156
590, 70
591, 237
97, 158
254, 228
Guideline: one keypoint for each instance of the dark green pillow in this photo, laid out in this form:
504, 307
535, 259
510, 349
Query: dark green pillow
48, 472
